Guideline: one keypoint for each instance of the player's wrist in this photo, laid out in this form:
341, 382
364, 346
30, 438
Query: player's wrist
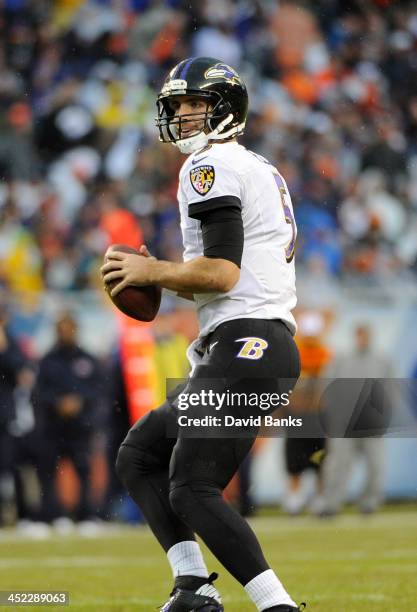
158, 273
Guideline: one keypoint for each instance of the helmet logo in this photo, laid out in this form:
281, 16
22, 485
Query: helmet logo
174, 86
222, 71
202, 179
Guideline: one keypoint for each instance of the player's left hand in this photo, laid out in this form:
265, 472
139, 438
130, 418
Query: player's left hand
128, 269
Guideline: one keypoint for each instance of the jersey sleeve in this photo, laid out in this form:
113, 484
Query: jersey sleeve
210, 184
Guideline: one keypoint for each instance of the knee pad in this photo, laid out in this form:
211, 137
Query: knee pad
181, 500
143, 450
134, 462
131, 464
186, 499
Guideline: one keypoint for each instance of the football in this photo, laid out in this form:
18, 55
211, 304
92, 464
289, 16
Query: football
140, 303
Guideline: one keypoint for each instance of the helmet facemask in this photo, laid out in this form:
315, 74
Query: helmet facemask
173, 127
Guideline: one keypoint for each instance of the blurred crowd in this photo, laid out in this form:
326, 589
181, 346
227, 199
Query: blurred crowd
333, 100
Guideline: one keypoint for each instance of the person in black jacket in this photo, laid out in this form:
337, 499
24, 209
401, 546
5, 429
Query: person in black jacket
67, 400
12, 361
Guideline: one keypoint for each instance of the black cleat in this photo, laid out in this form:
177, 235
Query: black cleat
193, 594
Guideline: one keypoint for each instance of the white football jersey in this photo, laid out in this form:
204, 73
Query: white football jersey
266, 288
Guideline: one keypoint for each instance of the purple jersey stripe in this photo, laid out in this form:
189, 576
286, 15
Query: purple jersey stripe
278, 180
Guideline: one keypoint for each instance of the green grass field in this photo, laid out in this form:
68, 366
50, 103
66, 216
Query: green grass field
349, 564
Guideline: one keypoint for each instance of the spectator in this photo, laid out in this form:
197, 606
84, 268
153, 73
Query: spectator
69, 406
20, 265
19, 158
342, 453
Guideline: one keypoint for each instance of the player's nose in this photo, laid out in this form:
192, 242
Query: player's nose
185, 109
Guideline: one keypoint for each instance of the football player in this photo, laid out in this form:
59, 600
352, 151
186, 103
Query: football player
239, 235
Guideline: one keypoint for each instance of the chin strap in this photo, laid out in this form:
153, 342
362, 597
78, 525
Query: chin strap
233, 132
194, 143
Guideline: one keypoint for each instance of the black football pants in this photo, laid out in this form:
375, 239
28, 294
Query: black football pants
177, 480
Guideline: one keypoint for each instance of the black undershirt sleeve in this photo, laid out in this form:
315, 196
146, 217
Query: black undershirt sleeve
221, 226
